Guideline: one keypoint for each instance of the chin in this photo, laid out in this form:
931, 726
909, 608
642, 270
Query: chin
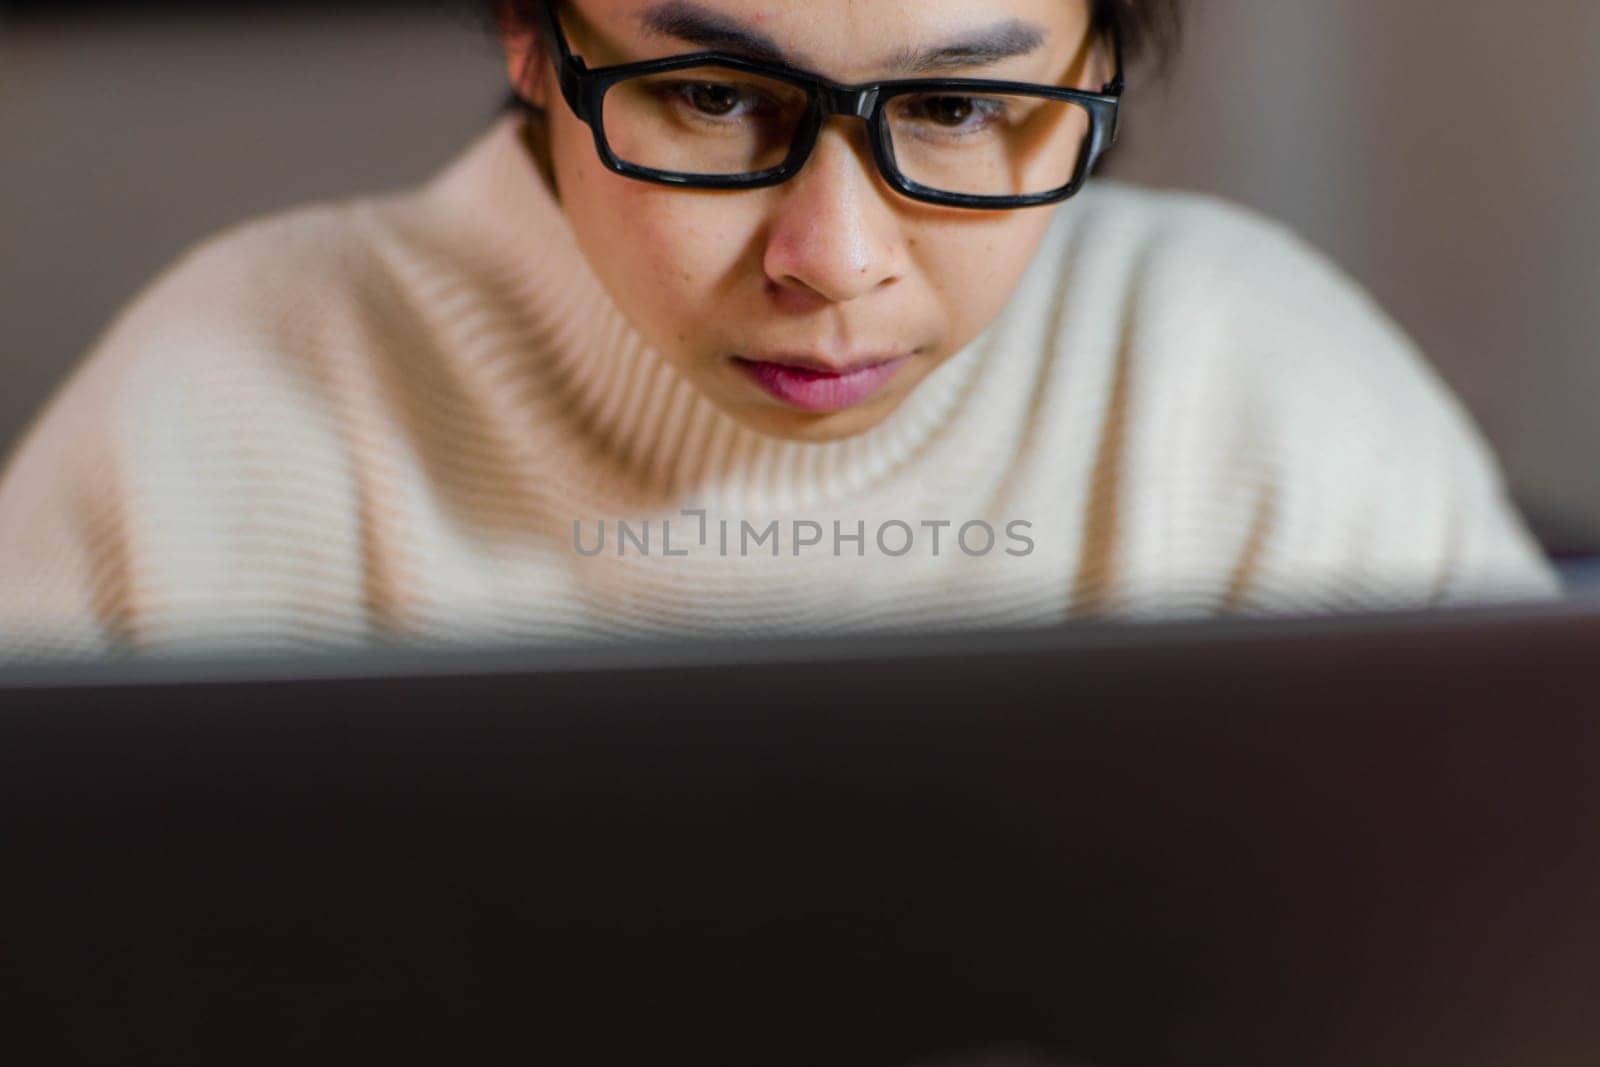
814, 427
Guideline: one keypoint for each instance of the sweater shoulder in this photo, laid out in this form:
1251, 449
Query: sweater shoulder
270, 276
1168, 224
1276, 389
267, 313
1224, 294
1200, 251
1190, 278
236, 350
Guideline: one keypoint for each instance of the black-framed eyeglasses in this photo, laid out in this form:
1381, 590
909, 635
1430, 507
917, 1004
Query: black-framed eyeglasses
712, 120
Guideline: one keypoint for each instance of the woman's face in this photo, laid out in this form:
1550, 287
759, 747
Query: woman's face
833, 266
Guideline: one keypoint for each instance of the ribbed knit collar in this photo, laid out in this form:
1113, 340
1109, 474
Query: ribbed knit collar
672, 441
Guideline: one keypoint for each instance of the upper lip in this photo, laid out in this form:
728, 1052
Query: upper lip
825, 364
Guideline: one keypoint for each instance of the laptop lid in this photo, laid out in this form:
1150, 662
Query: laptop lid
1320, 842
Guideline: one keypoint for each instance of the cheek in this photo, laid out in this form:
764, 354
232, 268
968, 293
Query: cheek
665, 256
974, 267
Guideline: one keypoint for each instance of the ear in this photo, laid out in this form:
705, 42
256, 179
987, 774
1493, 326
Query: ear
526, 68
1094, 64
1102, 61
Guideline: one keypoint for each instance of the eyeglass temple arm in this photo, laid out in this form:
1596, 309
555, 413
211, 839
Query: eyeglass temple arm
568, 66
1116, 85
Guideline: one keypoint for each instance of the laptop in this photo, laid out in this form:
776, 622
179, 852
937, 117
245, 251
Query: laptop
1338, 841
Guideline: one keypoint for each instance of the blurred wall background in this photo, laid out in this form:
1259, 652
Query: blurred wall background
1447, 155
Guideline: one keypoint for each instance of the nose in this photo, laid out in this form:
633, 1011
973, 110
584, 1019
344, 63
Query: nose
834, 233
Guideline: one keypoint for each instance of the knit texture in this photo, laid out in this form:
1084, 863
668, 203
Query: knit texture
412, 417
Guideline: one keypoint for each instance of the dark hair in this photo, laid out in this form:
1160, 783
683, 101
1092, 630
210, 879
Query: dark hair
1147, 28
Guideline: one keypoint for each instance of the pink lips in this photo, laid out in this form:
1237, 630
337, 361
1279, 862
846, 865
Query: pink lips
815, 390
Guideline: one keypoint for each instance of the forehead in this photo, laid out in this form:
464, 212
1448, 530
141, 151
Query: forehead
841, 37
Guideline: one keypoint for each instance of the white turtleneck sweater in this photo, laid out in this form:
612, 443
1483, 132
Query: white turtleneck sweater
412, 417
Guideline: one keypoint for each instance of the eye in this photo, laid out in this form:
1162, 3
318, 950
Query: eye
952, 112
712, 99
718, 100
948, 110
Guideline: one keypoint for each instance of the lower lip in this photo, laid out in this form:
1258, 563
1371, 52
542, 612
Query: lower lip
819, 390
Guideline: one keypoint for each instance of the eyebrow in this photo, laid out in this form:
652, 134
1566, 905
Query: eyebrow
991, 44
696, 24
